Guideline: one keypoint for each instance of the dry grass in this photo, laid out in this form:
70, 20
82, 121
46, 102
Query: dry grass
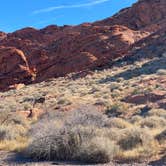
16, 145
119, 123
13, 131
100, 86
153, 122
119, 131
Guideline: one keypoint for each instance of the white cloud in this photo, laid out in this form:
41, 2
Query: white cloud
50, 9
48, 21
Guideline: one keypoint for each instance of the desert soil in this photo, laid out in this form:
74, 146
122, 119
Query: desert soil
11, 159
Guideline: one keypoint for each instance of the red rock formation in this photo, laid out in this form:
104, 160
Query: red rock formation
31, 55
2, 35
14, 67
153, 96
148, 14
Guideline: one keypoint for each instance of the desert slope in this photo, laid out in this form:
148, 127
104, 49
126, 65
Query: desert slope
37, 55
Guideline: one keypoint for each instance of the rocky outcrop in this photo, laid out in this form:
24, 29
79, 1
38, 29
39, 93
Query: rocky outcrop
14, 67
148, 14
30, 55
2, 35
144, 98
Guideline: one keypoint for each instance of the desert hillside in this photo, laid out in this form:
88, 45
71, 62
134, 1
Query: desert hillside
88, 94
30, 55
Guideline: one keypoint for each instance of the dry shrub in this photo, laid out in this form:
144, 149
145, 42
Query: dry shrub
118, 123
97, 150
11, 132
161, 72
135, 119
161, 137
7, 133
88, 136
153, 122
86, 116
81, 136
78, 143
11, 118
157, 112
134, 137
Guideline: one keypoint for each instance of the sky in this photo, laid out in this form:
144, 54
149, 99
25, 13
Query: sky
17, 14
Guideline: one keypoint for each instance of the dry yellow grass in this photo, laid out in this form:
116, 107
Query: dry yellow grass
106, 88
14, 145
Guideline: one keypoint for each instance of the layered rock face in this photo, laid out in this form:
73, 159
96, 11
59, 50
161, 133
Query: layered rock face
30, 55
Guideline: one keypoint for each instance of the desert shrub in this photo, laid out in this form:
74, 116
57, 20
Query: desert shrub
6, 133
134, 137
97, 150
12, 126
53, 144
10, 132
7, 117
113, 86
86, 116
135, 119
157, 112
161, 72
161, 137
113, 108
86, 135
81, 136
4, 116
78, 143
118, 123
116, 109
113, 134
64, 101
153, 122
13, 131
136, 91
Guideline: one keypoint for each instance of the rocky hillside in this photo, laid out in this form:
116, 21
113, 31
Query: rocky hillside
30, 55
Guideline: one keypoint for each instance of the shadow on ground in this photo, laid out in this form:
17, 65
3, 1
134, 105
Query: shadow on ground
148, 68
18, 159
160, 162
